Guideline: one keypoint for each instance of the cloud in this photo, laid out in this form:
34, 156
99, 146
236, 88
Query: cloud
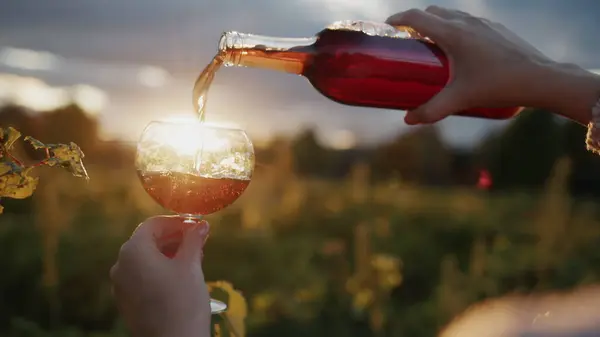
111, 74
36, 94
28, 59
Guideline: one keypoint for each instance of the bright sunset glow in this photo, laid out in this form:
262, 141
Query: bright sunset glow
188, 136
342, 140
212, 120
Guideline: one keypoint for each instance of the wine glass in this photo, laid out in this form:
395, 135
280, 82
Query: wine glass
194, 169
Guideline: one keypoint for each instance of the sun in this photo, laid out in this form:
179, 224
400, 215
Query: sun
190, 139
188, 136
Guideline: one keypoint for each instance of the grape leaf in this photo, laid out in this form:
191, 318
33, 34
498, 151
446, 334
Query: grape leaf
36, 144
16, 183
8, 137
68, 156
6, 167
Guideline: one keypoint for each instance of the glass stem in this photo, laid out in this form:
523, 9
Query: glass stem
191, 218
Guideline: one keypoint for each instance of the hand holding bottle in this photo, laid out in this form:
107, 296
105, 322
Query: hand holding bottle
491, 66
158, 296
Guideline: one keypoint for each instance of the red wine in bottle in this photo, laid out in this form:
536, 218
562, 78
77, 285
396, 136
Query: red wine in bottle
351, 62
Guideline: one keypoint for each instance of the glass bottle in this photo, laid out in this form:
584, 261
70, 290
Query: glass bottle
356, 63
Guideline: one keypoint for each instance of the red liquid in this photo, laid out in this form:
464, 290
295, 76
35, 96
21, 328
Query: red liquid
169, 243
357, 69
190, 194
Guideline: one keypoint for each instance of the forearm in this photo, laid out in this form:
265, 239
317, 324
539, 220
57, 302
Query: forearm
566, 89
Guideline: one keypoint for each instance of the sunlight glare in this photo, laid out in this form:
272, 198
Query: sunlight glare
153, 77
342, 140
90, 98
190, 136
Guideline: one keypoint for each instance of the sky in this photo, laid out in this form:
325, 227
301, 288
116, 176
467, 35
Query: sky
134, 61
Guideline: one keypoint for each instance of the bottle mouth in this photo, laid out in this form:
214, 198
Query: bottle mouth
229, 40
222, 42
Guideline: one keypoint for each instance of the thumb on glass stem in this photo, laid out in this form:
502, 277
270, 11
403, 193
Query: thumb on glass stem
193, 242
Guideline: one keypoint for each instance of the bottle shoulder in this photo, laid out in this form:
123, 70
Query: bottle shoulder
369, 28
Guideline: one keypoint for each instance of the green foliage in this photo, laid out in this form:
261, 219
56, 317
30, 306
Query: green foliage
312, 257
398, 261
526, 151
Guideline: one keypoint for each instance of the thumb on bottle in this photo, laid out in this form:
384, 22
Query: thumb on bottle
445, 103
193, 242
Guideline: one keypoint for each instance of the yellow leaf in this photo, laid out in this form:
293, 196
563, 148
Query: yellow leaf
262, 302
9, 136
237, 308
15, 181
36, 144
68, 156
363, 299
17, 184
5, 167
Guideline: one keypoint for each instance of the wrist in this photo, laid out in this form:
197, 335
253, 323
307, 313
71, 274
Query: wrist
565, 89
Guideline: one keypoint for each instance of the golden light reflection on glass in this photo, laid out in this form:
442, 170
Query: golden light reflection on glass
204, 149
191, 138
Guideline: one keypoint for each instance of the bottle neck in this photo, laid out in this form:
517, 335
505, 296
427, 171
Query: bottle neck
255, 51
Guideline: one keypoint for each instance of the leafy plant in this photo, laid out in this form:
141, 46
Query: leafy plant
230, 323
15, 179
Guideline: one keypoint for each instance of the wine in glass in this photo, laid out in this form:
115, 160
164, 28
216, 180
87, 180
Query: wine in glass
194, 169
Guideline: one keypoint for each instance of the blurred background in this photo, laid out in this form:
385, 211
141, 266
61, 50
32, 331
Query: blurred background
355, 224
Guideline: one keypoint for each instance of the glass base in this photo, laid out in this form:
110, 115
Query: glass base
217, 307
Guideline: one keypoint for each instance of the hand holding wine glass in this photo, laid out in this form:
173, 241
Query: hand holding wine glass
158, 296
